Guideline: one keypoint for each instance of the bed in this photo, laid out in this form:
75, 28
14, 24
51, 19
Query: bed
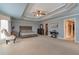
26, 31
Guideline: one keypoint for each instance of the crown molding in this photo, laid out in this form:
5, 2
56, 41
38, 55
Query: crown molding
52, 12
62, 9
68, 9
67, 16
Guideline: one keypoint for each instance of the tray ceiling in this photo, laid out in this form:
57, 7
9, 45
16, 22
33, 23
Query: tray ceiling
25, 10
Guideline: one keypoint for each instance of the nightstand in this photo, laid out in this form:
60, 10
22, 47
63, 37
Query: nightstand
13, 33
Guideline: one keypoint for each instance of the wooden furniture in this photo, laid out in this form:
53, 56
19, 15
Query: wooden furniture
40, 31
13, 33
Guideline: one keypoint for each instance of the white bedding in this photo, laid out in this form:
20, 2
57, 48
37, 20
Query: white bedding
30, 33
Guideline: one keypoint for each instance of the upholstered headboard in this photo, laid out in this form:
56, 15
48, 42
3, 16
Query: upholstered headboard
25, 28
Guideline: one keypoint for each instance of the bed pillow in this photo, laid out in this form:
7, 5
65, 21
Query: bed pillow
26, 31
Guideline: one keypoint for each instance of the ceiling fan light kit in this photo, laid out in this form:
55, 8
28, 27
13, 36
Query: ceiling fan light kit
39, 13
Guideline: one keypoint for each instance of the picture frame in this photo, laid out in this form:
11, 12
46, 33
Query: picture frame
54, 25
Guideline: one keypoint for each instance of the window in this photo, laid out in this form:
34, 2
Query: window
3, 25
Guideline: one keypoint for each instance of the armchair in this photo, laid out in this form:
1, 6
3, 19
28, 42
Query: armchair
8, 37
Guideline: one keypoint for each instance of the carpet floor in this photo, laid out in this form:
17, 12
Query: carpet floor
41, 45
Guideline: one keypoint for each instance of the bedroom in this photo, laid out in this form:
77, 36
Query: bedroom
24, 20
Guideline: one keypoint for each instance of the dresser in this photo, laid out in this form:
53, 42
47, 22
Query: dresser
40, 31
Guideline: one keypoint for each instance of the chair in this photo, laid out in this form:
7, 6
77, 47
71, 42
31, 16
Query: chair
8, 37
54, 33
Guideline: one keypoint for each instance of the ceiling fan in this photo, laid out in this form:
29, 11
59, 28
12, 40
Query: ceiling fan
39, 13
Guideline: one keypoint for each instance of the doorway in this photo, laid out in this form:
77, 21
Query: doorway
69, 30
46, 29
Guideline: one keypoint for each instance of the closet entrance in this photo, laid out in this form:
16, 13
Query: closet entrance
69, 30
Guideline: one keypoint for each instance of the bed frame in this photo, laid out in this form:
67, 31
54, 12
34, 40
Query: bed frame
26, 28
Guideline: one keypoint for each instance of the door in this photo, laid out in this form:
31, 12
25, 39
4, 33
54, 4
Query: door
46, 29
69, 30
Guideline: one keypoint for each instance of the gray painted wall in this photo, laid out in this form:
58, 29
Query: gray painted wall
60, 22
77, 28
51, 26
17, 23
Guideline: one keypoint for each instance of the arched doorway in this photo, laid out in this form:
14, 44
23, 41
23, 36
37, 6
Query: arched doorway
70, 30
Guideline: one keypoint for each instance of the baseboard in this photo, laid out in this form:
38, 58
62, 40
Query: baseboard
61, 38
76, 41
49, 35
58, 37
